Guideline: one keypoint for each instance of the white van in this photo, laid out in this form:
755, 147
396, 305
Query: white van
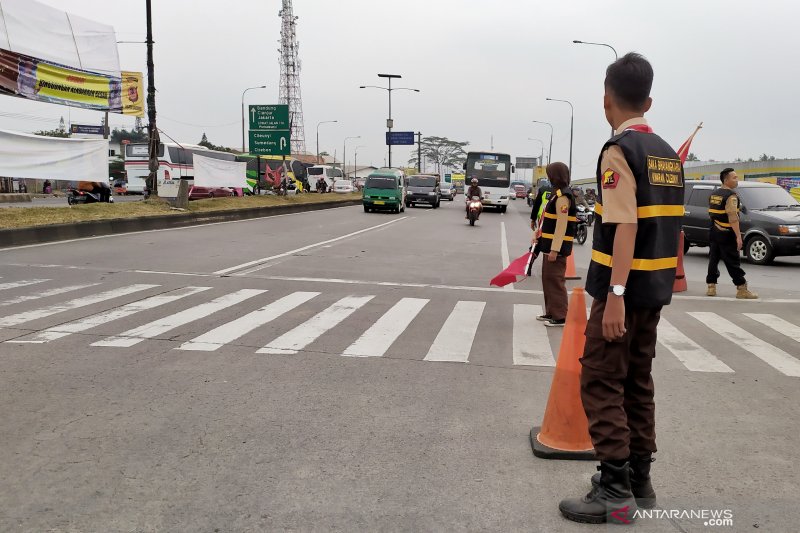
330, 174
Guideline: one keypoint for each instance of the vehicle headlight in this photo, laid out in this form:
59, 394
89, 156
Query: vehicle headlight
431, 193
789, 230
504, 197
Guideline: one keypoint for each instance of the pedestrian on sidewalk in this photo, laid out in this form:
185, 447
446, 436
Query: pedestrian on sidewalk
725, 239
555, 245
630, 278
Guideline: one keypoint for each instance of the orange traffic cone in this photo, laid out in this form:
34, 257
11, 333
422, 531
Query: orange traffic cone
564, 434
680, 275
571, 273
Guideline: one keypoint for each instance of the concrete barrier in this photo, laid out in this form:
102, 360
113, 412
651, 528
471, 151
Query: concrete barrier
15, 197
61, 232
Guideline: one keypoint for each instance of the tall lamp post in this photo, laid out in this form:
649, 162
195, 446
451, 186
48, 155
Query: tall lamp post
344, 155
318, 125
355, 161
571, 123
389, 122
541, 155
550, 152
616, 56
243, 112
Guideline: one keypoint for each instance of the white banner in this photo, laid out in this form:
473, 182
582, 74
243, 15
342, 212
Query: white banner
210, 172
32, 156
32, 28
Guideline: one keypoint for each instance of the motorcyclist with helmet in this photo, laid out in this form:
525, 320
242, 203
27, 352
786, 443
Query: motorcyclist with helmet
473, 190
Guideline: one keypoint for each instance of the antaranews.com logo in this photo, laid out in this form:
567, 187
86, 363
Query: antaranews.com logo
710, 517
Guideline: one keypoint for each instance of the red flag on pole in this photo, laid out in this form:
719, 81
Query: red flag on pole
519, 268
683, 151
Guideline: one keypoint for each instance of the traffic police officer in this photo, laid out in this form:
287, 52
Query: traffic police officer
725, 236
634, 257
539, 203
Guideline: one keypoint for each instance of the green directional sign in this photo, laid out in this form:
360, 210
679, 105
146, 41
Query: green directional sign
265, 142
269, 117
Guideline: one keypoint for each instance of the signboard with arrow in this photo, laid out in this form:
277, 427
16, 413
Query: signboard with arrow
270, 130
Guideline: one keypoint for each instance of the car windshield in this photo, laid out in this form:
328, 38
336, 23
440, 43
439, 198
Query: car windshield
422, 181
766, 198
315, 171
446, 186
377, 182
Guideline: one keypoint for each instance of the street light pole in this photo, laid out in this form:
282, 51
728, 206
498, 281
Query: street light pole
243, 112
355, 162
318, 125
550, 152
389, 123
541, 155
344, 155
616, 56
571, 129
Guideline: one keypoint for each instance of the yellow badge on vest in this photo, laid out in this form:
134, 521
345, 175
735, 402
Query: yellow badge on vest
610, 179
664, 172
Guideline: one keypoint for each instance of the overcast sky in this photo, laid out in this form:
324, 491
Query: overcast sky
483, 68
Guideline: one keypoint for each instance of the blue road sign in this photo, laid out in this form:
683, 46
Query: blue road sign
399, 137
84, 129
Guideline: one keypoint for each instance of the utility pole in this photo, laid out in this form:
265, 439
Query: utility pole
419, 152
152, 129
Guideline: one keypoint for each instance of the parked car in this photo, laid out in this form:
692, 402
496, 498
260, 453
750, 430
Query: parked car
198, 193
343, 187
769, 219
447, 192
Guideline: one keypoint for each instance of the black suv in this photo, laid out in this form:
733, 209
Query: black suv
422, 188
769, 220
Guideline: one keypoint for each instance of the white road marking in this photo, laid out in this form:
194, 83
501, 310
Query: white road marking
154, 329
377, 340
773, 356
454, 341
27, 316
504, 253
306, 333
778, 324
531, 344
63, 330
692, 355
46, 294
263, 260
217, 337
21, 283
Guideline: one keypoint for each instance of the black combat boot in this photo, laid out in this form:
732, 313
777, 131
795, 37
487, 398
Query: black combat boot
609, 501
641, 486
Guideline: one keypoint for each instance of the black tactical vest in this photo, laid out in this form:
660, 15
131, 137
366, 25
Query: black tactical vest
659, 199
549, 223
716, 208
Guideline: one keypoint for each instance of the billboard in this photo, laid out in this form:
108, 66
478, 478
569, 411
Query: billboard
35, 79
527, 162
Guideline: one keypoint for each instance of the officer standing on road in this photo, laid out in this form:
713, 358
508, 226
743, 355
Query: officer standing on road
634, 257
555, 245
725, 236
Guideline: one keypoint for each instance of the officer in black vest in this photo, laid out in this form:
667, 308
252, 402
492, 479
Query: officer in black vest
634, 256
725, 238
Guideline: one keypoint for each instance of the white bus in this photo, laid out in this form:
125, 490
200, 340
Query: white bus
175, 162
493, 172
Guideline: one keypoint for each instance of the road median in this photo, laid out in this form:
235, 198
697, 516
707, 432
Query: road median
48, 224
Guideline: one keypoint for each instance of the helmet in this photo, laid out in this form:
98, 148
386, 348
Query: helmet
474, 181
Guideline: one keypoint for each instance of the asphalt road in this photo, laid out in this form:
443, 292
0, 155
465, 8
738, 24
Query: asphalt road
338, 370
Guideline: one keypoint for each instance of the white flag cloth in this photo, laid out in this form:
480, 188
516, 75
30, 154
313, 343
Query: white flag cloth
209, 172
23, 155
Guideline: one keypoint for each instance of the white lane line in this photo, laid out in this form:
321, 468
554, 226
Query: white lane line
27, 316
454, 341
504, 253
218, 337
692, 355
63, 330
154, 329
377, 340
306, 333
773, 356
46, 294
304, 248
21, 283
531, 345
778, 324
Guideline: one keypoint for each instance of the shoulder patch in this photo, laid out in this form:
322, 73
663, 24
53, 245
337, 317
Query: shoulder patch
565, 209
610, 179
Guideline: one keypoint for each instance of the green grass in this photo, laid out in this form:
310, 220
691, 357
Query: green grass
46, 216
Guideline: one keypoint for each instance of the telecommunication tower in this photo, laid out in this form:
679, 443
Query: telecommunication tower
290, 76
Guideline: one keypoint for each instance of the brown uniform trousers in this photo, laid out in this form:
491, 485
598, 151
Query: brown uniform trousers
554, 286
616, 386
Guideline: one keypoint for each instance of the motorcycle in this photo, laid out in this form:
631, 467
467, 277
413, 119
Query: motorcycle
76, 197
475, 208
581, 231
589, 214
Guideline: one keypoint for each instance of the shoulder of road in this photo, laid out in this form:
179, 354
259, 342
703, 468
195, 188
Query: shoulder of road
47, 224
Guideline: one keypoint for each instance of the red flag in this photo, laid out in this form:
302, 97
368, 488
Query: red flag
683, 151
519, 268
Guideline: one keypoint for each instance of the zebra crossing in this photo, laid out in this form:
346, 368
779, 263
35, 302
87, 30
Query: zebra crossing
531, 344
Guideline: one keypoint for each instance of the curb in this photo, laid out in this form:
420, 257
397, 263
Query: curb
95, 228
13, 198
